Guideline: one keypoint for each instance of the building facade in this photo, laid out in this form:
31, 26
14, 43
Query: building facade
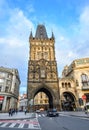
22, 104
42, 67
44, 88
74, 84
41, 101
9, 88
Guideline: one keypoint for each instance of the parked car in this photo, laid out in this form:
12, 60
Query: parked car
37, 111
52, 113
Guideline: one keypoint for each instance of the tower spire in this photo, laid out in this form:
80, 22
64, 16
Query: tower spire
53, 35
31, 35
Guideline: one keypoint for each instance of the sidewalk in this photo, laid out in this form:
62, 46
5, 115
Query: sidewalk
19, 115
76, 113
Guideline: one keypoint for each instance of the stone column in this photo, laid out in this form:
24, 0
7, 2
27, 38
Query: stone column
4, 104
12, 103
13, 83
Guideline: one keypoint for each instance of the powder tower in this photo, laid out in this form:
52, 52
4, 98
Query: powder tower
42, 67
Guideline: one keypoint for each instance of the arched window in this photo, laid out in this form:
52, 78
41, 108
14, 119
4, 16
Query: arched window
66, 85
69, 85
85, 80
62, 85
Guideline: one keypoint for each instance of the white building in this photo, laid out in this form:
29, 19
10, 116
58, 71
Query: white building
22, 102
9, 88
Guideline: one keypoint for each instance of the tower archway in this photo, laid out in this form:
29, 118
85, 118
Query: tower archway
48, 94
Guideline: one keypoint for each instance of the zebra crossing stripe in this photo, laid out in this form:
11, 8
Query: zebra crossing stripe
3, 125
31, 126
12, 125
21, 125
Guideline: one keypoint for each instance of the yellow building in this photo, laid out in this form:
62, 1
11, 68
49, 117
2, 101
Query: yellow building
74, 84
41, 101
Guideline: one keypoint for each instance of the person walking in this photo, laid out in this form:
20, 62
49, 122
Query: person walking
10, 112
85, 108
25, 111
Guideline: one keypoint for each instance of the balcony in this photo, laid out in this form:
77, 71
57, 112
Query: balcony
85, 87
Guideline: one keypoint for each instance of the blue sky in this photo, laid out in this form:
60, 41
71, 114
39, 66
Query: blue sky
68, 19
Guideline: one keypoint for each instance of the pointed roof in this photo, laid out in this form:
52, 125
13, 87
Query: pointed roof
31, 36
41, 32
53, 35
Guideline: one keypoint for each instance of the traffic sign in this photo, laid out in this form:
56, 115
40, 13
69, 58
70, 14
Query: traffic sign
84, 97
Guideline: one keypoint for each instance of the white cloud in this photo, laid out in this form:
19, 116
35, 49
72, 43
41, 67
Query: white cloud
84, 17
15, 43
69, 48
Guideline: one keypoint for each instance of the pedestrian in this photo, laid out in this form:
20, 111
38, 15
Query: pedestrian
10, 112
25, 111
85, 108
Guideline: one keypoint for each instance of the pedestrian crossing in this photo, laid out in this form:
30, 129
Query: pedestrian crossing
40, 115
27, 124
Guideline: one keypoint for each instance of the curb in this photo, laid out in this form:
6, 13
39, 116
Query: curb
86, 116
20, 118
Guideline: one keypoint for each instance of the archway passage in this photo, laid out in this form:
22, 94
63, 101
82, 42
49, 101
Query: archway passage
68, 104
50, 98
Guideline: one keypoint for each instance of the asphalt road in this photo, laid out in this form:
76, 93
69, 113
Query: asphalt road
42, 122
63, 123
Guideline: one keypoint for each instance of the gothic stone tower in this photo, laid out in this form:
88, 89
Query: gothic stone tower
42, 67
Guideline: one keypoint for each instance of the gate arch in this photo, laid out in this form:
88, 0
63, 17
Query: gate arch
69, 102
47, 91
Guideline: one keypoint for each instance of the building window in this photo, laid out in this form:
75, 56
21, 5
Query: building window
85, 80
2, 80
66, 85
0, 88
62, 85
40, 95
6, 89
69, 85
